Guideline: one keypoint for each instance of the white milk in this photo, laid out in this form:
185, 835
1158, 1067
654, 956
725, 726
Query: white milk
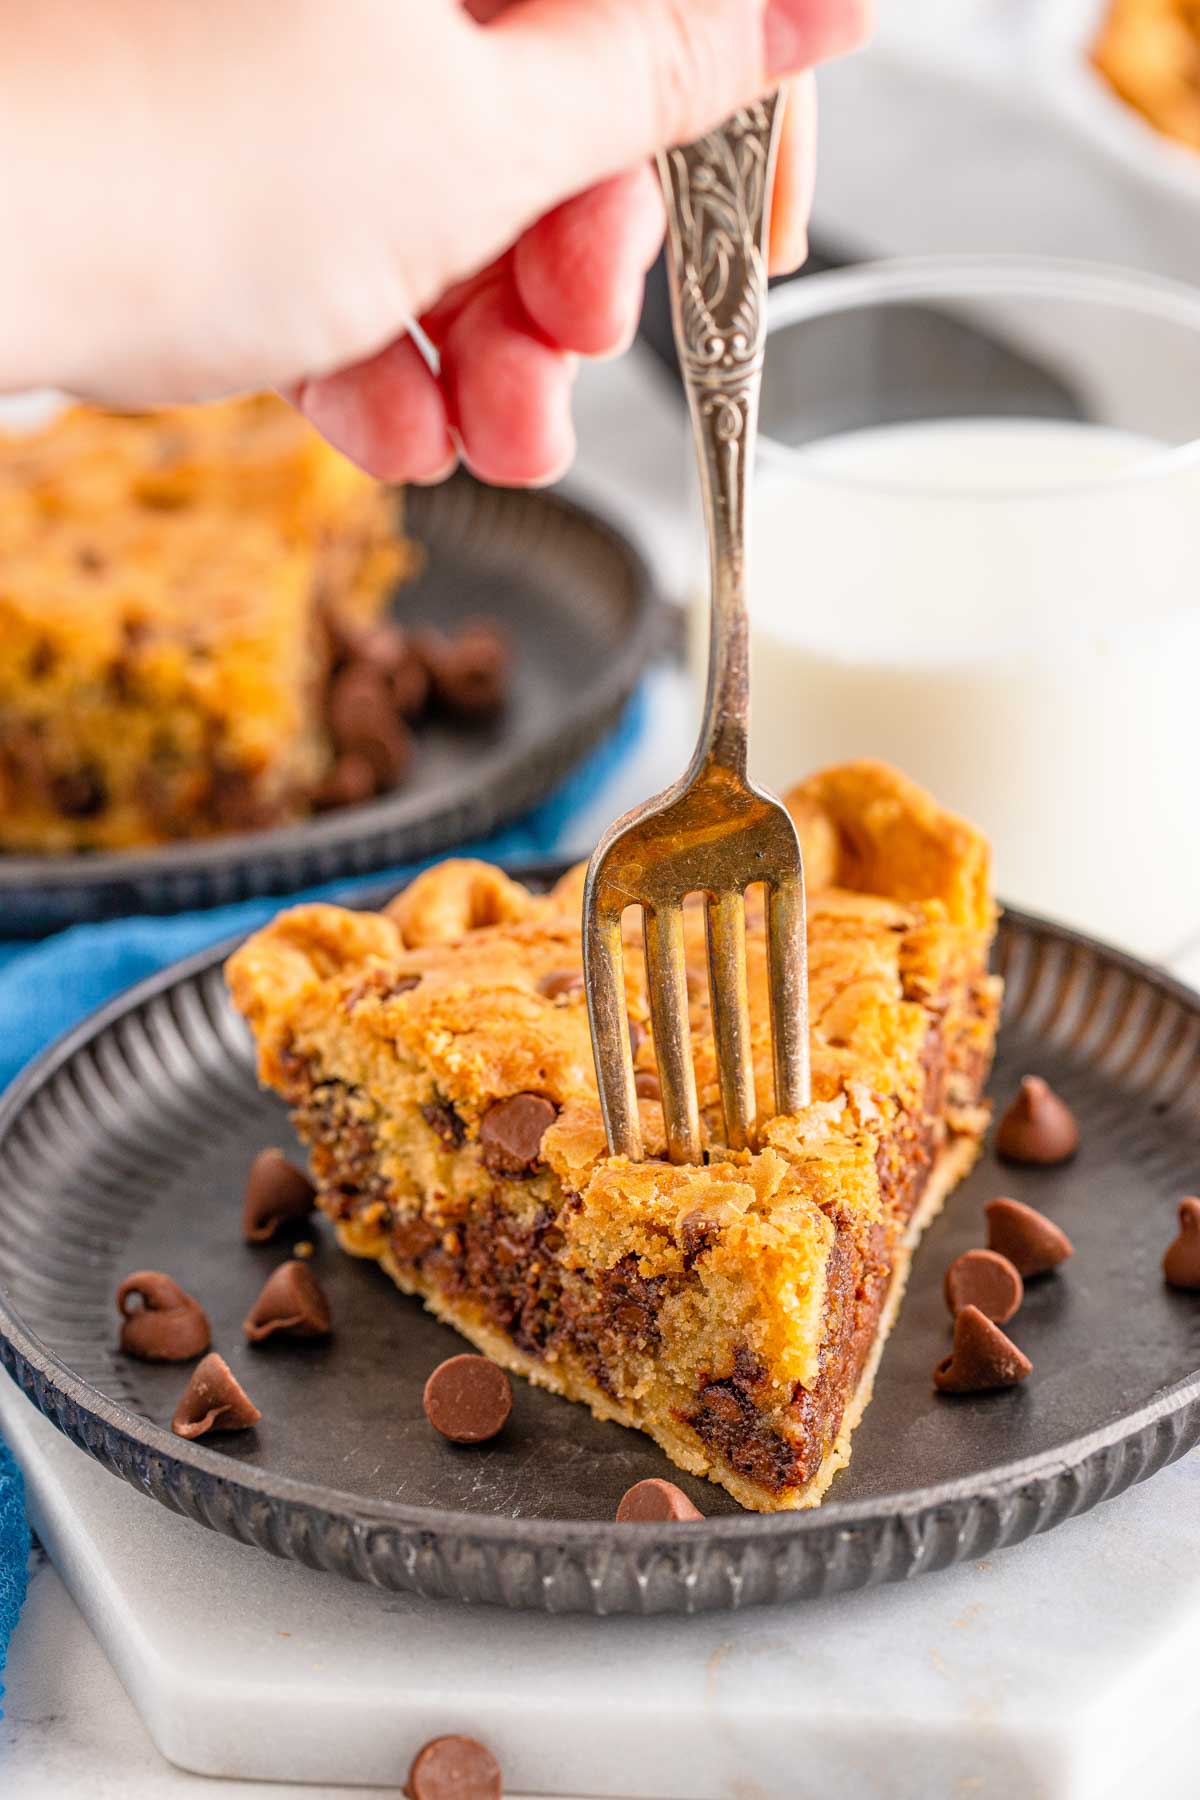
1009, 610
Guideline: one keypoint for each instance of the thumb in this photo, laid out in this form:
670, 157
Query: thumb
595, 85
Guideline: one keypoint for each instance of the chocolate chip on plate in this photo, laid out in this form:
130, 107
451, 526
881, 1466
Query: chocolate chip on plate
454, 1768
1032, 1243
468, 1399
1038, 1127
350, 782
362, 718
982, 1358
1181, 1264
561, 984
469, 672
511, 1133
653, 1502
277, 1193
169, 1326
985, 1279
291, 1304
214, 1400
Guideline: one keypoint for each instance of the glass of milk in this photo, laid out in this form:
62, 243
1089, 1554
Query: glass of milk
976, 554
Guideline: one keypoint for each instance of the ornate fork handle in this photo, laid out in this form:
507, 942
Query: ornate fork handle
719, 196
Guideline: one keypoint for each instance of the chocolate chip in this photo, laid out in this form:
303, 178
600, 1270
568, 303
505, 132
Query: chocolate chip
382, 647
90, 560
277, 1192
43, 660
511, 1133
81, 793
454, 1768
291, 1304
653, 1502
468, 1399
985, 1279
637, 1037
1031, 1242
1181, 1264
214, 1400
563, 984
982, 1358
169, 1326
350, 782
362, 718
1038, 1127
470, 672
697, 1232
445, 1122
647, 1084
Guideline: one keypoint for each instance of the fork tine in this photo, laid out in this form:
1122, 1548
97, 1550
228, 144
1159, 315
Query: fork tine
787, 952
726, 915
604, 976
666, 976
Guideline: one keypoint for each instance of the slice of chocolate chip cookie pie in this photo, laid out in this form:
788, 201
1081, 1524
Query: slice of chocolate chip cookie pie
438, 1062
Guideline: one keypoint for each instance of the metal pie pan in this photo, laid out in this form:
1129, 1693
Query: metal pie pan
126, 1146
580, 606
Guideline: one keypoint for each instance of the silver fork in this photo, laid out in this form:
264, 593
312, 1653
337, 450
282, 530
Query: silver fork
713, 832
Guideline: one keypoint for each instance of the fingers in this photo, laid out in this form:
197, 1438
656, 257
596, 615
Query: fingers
795, 173
598, 88
387, 414
508, 393
580, 270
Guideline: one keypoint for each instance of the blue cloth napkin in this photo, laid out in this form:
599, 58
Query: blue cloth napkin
14, 1551
46, 987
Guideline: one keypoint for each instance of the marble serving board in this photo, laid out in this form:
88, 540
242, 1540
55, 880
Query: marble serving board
1062, 1669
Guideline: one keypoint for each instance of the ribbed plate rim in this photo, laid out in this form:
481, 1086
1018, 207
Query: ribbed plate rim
29, 1357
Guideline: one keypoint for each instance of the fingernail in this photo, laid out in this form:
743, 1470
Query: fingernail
443, 474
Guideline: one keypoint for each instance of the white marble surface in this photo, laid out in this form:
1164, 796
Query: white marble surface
1019, 1676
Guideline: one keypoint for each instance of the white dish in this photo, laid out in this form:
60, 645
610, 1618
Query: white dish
1066, 32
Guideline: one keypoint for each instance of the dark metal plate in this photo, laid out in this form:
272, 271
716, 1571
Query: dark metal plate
127, 1145
579, 603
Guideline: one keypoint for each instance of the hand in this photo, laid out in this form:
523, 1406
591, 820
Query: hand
235, 196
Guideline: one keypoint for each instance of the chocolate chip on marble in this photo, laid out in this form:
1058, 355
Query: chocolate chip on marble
511, 1133
454, 1768
1181, 1264
561, 984
468, 1399
1038, 1127
277, 1193
169, 1326
214, 1400
654, 1502
648, 1085
985, 1279
982, 1358
291, 1304
1032, 1243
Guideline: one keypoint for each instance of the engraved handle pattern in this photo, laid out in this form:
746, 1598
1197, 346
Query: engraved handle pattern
718, 193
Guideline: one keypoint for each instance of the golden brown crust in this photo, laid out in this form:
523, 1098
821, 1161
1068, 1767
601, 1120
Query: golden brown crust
730, 1309
1149, 52
161, 653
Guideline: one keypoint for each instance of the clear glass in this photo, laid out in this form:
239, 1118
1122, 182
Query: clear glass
976, 554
